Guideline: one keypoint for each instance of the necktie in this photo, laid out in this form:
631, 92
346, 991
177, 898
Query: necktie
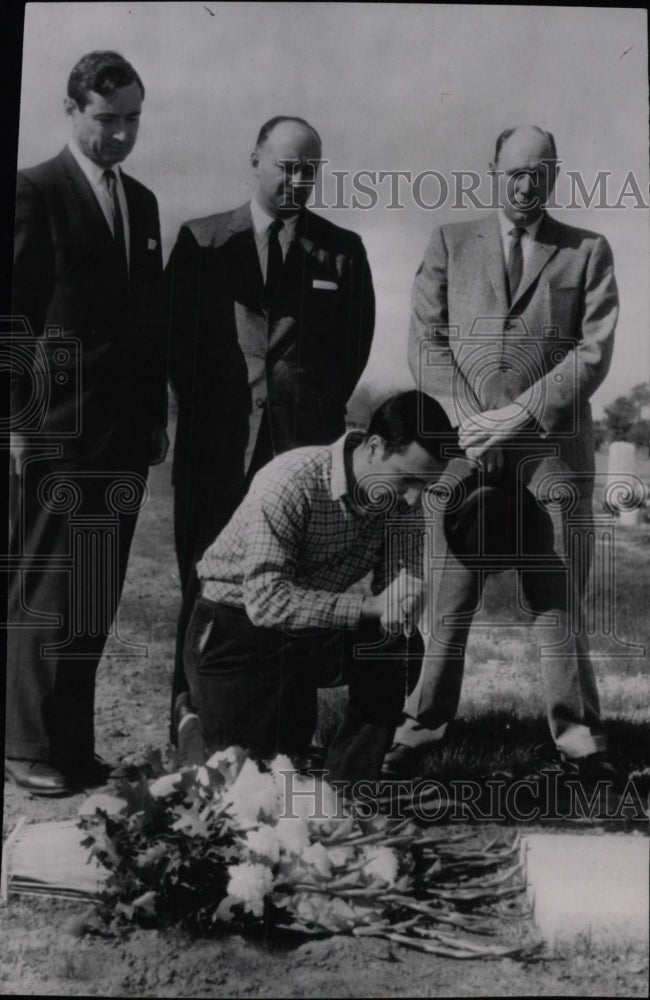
515, 261
274, 256
118, 221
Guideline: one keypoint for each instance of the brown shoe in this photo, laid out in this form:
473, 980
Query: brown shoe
37, 777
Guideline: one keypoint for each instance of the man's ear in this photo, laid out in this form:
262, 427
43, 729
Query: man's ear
70, 105
255, 158
375, 445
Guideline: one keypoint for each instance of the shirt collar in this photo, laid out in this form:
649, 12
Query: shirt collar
262, 220
93, 171
339, 485
506, 225
341, 489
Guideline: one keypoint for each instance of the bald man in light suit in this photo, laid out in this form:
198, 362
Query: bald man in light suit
512, 330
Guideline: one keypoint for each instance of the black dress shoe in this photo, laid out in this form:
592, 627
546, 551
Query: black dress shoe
400, 762
593, 767
310, 762
92, 772
37, 777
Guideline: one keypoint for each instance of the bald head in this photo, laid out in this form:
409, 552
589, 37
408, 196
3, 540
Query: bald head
532, 134
285, 163
525, 171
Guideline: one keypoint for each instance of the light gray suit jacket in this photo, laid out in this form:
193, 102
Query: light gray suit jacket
548, 350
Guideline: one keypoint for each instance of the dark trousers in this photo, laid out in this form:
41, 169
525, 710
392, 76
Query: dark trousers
195, 528
199, 516
70, 534
257, 687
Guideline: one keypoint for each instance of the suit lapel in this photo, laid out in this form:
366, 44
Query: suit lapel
83, 194
247, 261
136, 223
489, 237
544, 247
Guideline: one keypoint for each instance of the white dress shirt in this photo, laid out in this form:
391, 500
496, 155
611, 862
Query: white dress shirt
261, 222
95, 176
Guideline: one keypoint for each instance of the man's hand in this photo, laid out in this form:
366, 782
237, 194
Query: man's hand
159, 445
489, 430
492, 461
398, 607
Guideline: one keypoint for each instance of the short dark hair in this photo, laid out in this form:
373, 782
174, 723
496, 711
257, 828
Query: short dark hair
268, 127
102, 72
509, 131
413, 416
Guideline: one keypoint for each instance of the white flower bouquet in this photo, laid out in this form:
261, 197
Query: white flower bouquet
234, 843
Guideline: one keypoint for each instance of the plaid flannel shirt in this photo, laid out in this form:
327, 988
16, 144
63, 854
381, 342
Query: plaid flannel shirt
298, 542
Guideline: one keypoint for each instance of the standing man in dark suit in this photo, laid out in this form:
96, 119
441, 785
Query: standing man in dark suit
272, 317
512, 330
88, 417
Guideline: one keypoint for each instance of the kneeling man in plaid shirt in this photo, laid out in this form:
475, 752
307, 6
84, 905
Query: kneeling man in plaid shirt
278, 615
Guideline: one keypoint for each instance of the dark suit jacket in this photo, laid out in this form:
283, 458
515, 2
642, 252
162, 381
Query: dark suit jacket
103, 376
233, 351
548, 350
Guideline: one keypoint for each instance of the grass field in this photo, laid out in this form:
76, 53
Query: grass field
500, 728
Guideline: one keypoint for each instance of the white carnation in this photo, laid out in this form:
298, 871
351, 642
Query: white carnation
317, 857
381, 863
250, 883
340, 856
228, 762
252, 797
279, 766
292, 834
264, 843
313, 800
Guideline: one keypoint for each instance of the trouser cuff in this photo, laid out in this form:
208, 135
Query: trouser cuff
412, 734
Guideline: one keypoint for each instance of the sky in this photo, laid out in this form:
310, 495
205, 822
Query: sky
390, 87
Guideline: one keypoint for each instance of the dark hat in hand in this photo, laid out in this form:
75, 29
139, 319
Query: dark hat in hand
497, 522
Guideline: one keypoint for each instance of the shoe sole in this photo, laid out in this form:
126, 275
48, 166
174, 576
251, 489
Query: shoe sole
41, 792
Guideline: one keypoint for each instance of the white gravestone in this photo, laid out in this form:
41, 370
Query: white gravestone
592, 885
621, 464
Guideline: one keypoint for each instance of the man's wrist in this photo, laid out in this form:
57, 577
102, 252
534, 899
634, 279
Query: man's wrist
372, 607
